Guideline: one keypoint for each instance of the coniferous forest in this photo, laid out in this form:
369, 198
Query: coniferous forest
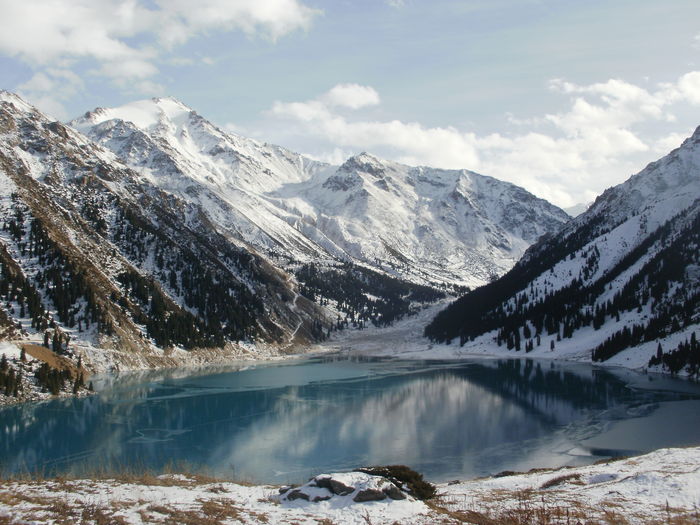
521, 314
363, 295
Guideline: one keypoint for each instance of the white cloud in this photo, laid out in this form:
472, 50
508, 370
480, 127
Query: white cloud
410, 141
272, 18
352, 96
566, 157
50, 88
126, 38
670, 142
689, 87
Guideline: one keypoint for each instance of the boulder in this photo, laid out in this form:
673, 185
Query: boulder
359, 486
295, 495
369, 495
340, 489
394, 492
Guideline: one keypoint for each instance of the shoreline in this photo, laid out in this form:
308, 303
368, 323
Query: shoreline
403, 340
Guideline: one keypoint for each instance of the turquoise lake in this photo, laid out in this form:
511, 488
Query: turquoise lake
278, 423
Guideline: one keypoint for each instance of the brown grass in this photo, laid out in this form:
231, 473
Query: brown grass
559, 480
210, 512
54, 360
100, 516
530, 507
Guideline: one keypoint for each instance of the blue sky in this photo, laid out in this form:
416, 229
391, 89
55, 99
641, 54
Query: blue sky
562, 97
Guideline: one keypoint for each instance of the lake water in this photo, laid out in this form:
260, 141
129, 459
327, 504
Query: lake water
282, 423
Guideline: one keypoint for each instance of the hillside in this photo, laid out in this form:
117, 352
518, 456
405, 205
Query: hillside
155, 235
97, 257
622, 278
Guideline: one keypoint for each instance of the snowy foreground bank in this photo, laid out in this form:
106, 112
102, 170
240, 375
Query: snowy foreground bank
660, 487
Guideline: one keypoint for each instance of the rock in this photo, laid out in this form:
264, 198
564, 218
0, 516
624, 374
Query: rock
296, 494
336, 487
394, 492
321, 498
284, 489
369, 495
339, 488
323, 481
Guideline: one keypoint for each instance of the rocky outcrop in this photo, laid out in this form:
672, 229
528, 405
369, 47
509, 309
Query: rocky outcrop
355, 486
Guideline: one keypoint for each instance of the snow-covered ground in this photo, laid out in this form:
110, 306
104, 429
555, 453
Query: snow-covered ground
404, 340
660, 487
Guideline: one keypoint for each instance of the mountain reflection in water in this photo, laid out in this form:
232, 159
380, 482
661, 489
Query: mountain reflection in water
280, 423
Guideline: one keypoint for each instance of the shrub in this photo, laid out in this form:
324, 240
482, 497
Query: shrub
404, 477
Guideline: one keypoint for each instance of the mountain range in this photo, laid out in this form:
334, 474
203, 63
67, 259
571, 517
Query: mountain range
146, 228
420, 224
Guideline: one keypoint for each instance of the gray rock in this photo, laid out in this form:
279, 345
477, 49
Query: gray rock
297, 494
323, 482
394, 492
340, 489
335, 486
369, 495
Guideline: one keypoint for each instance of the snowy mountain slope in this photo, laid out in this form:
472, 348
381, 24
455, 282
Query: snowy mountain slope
97, 255
578, 209
424, 225
620, 276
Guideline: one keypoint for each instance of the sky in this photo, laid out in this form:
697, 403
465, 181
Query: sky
563, 97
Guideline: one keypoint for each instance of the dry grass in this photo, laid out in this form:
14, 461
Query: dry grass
208, 512
560, 480
54, 360
532, 507
170, 475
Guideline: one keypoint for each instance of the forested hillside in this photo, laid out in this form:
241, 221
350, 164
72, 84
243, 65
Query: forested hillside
625, 273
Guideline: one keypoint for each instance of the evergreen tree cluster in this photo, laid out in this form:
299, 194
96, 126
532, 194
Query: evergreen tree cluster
466, 317
362, 294
10, 380
218, 306
523, 316
58, 279
51, 379
686, 355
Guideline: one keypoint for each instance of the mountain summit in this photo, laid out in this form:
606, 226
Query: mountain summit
426, 225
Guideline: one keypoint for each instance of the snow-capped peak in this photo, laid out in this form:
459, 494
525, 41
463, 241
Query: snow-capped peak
17, 101
144, 114
437, 225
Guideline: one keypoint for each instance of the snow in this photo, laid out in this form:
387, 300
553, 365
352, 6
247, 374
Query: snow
425, 224
144, 114
10, 350
404, 340
639, 489
662, 485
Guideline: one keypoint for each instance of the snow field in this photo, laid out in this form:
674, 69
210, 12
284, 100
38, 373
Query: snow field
655, 488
